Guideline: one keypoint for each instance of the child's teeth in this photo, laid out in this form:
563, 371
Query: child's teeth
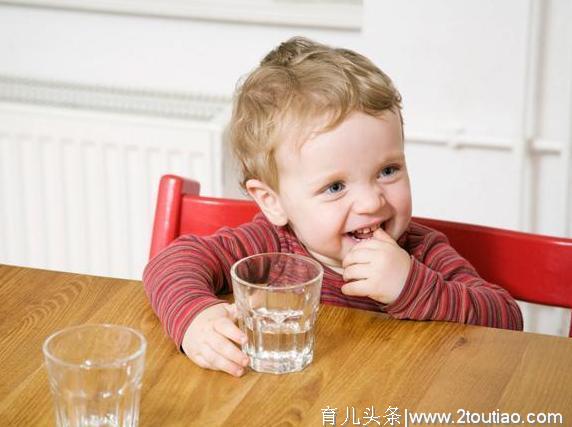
364, 233
366, 230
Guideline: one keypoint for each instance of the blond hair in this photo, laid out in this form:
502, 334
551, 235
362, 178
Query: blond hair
297, 84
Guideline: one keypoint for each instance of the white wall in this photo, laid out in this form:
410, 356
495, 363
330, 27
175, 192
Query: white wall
161, 53
487, 87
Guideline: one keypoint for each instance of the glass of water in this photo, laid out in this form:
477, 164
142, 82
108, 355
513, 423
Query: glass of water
95, 374
277, 296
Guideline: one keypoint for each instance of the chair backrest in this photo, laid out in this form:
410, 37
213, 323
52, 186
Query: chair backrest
180, 210
531, 267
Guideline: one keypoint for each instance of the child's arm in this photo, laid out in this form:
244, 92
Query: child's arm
183, 280
448, 288
439, 285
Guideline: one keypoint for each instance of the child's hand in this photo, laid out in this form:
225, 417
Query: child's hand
207, 341
376, 268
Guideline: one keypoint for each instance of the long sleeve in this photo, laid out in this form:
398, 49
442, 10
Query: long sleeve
185, 278
444, 286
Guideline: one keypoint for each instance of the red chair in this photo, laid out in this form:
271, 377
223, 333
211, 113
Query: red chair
533, 268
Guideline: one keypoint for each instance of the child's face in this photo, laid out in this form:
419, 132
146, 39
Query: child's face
341, 185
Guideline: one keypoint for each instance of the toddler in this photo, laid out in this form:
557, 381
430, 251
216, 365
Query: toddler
318, 133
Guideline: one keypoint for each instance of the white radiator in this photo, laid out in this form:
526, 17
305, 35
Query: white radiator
79, 169
78, 185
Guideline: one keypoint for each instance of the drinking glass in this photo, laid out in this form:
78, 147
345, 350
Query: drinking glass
277, 296
95, 374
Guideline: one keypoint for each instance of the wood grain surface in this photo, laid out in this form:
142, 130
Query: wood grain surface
362, 360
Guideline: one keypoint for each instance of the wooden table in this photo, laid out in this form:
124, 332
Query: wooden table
363, 362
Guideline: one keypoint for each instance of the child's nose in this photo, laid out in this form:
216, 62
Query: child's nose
369, 200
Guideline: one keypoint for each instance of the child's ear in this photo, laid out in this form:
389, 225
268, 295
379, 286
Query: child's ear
268, 201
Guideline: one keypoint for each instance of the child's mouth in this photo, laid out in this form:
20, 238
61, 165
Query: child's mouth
365, 233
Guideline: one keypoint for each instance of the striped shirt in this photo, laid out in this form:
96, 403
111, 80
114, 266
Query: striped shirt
185, 278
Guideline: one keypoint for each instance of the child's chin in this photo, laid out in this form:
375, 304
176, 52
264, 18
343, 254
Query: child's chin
337, 269
349, 241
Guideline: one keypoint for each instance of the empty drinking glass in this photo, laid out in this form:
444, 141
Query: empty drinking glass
95, 374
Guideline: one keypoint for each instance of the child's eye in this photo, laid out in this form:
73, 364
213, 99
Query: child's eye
388, 171
336, 187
